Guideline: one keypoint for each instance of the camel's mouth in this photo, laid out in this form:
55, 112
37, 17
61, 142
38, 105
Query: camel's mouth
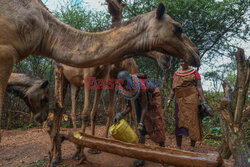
192, 58
190, 55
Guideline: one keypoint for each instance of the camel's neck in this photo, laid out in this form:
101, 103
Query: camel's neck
82, 49
23, 80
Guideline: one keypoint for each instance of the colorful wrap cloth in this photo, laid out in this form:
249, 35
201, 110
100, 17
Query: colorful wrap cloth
187, 111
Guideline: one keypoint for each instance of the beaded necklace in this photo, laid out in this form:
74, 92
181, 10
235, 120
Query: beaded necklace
182, 72
134, 93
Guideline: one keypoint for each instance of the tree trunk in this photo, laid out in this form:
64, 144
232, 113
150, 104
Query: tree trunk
224, 151
231, 116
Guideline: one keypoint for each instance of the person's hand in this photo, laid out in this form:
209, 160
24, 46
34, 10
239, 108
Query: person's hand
139, 132
168, 103
209, 111
204, 106
117, 118
140, 126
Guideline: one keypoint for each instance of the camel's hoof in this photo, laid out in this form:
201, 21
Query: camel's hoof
93, 151
54, 162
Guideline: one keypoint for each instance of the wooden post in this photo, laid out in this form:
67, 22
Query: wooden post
231, 115
55, 152
157, 154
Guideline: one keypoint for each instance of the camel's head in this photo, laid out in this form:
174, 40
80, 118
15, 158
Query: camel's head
166, 36
38, 96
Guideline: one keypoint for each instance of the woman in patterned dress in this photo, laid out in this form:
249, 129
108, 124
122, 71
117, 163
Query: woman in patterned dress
188, 91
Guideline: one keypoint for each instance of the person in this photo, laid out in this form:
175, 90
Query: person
148, 107
187, 89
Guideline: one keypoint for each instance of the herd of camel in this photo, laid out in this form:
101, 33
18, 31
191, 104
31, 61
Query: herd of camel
29, 28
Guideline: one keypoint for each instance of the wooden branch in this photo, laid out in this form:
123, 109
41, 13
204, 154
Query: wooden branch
157, 154
219, 37
224, 150
242, 84
211, 136
227, 100
231, 126
55, 152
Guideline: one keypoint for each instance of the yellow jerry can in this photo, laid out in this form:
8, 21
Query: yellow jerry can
123, 132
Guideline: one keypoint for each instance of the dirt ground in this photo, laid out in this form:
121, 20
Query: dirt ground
30, 148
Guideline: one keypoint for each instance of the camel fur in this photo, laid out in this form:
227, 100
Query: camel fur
29, 28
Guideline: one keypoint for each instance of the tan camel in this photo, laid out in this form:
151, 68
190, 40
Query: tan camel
77, 77
33, 91
28, 28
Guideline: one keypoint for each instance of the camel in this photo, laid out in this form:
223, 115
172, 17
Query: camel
77, 77
29, 28
33, 91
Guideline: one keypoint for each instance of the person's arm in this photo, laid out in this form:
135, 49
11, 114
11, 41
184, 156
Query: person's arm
127, 109
204, 104
172, 93
120, 115
200, 92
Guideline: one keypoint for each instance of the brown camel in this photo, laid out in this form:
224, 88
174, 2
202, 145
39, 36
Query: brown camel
77, 77
33, 91
28, 28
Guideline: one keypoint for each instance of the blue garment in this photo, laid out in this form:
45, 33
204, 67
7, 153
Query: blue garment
138, 115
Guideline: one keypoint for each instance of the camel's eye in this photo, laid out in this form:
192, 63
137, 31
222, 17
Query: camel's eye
178, 29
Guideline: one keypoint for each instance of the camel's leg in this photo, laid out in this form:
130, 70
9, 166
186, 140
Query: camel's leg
94, 109
79, 154
86, 109
31, 117
7, 55
74, 91
93, 117
110, 110
55, 152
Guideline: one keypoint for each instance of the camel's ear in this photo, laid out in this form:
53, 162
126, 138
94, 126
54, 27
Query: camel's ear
124, 5
44, 84
160, 10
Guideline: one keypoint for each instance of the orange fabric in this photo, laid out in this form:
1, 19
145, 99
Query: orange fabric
153, 121
142, 85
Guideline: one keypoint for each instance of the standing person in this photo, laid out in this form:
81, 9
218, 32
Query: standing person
148, 107
187, 88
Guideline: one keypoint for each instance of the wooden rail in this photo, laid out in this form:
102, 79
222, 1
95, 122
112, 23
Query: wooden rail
156, 154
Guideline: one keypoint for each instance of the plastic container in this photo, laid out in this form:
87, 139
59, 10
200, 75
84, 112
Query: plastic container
123, 132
